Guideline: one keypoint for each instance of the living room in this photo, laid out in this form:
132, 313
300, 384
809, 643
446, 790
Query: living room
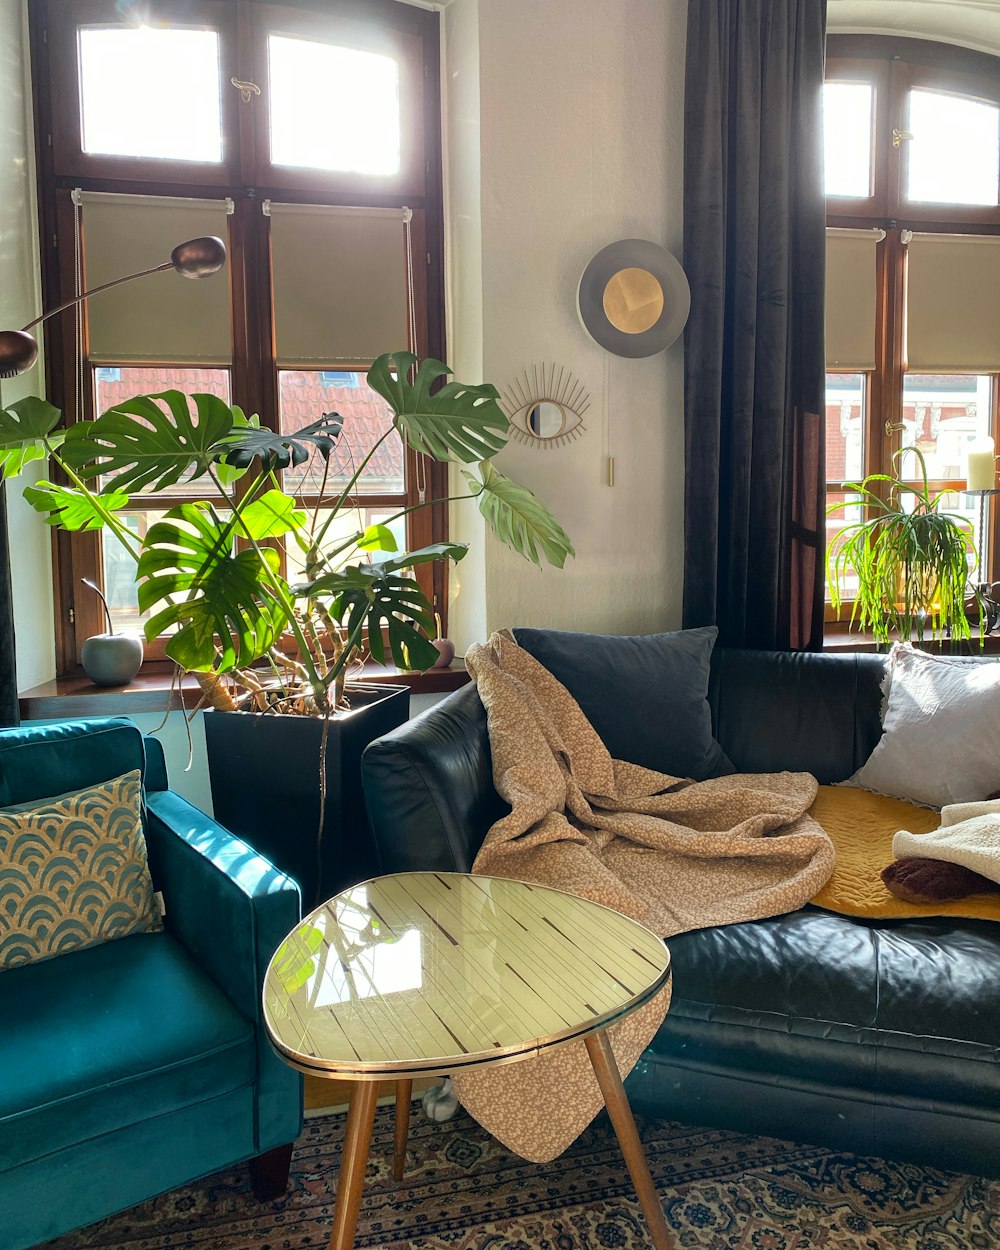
562, 130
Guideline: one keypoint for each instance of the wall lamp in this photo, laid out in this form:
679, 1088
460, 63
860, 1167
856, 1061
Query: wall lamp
197, 258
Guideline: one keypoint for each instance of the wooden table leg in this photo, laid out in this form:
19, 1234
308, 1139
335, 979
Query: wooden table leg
615, 1099
404, 1092
357, 1140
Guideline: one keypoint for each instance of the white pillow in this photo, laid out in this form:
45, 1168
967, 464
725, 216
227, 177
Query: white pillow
941, 731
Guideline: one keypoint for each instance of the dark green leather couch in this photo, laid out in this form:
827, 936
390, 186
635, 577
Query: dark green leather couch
133, 1067
877, 1037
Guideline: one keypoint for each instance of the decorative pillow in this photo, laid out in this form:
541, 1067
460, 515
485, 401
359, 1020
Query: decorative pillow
940, 730
646, 696
73, 872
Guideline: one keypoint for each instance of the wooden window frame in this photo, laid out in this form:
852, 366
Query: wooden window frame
243, 178
893, 65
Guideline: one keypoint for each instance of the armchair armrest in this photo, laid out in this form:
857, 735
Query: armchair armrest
429, 787
231, 908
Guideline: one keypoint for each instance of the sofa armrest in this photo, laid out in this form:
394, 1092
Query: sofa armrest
429, 788
230, 908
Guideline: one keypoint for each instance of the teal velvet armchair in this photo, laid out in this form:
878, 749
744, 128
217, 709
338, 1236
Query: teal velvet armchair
133, 1067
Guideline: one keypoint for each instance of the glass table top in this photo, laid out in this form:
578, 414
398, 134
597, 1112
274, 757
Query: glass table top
431, 972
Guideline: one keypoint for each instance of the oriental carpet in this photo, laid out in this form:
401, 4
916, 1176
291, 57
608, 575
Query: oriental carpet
463, 1191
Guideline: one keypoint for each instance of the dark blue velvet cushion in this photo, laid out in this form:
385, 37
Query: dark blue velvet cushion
647, 695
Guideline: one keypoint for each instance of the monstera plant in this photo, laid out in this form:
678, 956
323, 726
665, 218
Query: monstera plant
210, 573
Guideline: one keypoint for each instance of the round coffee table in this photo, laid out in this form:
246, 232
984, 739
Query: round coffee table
433, 973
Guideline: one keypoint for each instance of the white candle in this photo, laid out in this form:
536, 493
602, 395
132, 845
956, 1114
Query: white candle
981, 471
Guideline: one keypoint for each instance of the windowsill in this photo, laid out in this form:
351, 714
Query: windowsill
843, 641
78, 696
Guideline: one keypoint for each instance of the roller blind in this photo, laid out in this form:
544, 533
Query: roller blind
164, 318
952, 302
339, 277
850, 299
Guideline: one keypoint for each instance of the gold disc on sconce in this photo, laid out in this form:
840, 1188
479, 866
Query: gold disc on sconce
633, 300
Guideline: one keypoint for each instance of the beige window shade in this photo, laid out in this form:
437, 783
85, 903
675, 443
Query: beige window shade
850, 299
339, 277
953, 304
164, 318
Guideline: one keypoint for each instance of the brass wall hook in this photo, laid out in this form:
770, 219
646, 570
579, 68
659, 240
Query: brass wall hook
246, 89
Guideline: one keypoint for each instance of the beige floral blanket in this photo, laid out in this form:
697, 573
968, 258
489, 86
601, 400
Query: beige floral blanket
671, 853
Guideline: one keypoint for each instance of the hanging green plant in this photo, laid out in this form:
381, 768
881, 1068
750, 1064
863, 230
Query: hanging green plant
911, 562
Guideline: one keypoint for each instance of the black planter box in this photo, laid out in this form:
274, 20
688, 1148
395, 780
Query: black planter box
265, 773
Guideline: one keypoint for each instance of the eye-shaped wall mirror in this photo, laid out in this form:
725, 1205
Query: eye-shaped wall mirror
545, 405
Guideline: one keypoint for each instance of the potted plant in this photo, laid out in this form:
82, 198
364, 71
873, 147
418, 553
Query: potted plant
911, 559
211, 573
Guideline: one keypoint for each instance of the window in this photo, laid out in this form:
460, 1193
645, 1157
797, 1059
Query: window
307, 138
912, 159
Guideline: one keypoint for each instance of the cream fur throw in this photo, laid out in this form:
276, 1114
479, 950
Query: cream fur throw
672, 854
969, 835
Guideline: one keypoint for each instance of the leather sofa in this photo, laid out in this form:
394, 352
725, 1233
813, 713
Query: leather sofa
879, 1037
135, 1066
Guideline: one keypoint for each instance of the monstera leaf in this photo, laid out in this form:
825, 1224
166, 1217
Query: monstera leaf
71, 509
457, 422
379, 595
518, 518
270, 516
24, 428
277, 451
138, 445
227, 613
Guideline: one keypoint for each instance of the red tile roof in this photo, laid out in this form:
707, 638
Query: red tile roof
303, 398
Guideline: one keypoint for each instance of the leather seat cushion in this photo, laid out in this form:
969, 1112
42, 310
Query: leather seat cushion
110, 1036
813, 995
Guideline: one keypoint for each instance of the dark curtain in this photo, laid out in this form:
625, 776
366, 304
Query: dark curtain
754, 251
8, 676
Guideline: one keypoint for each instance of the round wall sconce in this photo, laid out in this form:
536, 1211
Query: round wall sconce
634, 298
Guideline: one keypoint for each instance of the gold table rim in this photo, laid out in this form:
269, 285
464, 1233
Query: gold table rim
379, 1070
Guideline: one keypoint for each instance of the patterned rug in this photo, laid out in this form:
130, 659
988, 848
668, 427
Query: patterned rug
463, 1191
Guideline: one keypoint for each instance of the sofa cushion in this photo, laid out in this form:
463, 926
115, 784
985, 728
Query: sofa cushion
907, 1006
54, 759
796, 710
941, 724
108, 1036
646, 696
73, 872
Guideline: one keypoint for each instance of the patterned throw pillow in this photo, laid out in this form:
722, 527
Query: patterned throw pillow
73, 872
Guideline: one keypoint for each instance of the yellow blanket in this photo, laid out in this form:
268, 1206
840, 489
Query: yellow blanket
861, 826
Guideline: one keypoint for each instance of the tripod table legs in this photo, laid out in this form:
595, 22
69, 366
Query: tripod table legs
610, 1081
360, 1119
404, 1092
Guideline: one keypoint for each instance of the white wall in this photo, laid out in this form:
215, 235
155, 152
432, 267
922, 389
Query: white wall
28, 538
581, 143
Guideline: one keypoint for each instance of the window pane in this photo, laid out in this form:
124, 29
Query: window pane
954, 154
304, 395
845, 427
942, 415
119, 574
151, 92
835, 522
332, 107
115, 385
847, 138
348, 522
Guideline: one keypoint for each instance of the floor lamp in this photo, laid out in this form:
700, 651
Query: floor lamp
197, 258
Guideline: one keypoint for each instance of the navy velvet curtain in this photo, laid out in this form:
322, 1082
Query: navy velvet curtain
754, 251
8, 675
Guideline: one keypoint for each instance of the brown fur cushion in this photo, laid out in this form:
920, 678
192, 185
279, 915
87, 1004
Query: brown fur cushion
919, 880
